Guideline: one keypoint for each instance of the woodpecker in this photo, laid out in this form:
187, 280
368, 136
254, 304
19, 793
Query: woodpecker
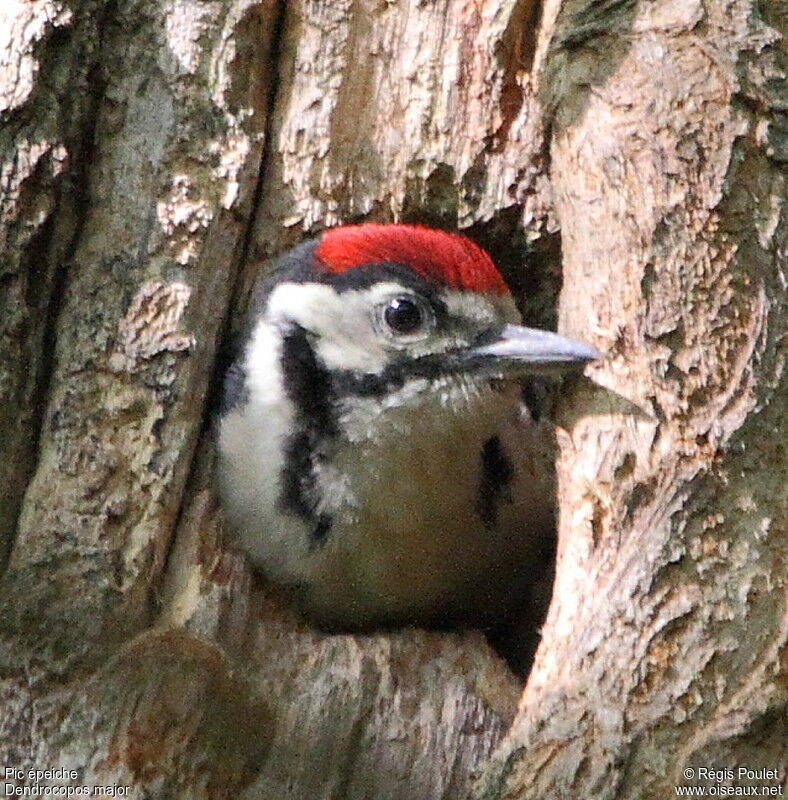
374, 455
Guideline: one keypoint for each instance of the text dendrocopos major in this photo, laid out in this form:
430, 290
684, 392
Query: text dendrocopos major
374, 454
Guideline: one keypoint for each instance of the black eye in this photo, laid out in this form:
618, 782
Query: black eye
403, 315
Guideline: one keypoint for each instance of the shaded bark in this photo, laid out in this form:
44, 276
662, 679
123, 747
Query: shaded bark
157, 156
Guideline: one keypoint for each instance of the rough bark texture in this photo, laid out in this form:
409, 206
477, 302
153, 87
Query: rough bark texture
157, 155
665, 644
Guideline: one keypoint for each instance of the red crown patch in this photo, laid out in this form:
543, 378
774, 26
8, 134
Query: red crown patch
446, 259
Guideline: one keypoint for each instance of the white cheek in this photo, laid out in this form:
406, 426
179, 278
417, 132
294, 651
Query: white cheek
349, 355
346, 337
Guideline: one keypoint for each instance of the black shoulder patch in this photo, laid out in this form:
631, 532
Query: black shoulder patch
496, 476
309, 389
308, 384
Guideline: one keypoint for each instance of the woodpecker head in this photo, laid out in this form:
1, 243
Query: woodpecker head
382, 306
369, 457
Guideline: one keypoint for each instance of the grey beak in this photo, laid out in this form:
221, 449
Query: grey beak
530, 349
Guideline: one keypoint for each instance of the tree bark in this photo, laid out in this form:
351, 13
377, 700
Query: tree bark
665, 645
157, 155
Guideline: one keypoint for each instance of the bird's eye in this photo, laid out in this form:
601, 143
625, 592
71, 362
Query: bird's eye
404, 315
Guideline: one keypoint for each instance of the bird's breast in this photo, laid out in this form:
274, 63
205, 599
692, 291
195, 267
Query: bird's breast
433, 512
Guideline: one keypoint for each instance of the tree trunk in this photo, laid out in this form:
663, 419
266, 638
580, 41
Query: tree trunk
157, 155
